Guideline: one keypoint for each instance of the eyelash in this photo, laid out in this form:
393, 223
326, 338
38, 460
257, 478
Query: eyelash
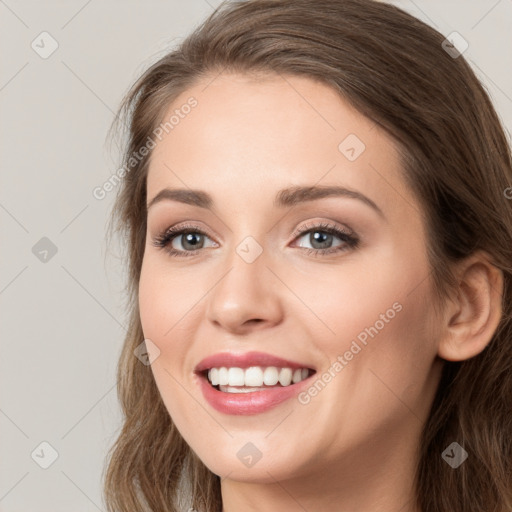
351, 241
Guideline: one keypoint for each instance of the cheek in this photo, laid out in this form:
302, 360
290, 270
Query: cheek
165, 299
160, 309
170, 311
376, 313
389, 346
338, 302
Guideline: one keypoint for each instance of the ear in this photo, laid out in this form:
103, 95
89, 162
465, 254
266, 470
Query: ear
473, 315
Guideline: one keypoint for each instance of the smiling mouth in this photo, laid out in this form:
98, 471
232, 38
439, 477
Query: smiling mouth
254, 378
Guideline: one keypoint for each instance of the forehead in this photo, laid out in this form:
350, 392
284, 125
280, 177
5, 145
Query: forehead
256, 134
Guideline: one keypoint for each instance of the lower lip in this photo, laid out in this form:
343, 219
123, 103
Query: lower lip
248, 403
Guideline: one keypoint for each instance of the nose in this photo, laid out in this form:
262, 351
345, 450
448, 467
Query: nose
246, 297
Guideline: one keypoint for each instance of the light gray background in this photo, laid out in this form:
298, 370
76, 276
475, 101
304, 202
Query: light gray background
62, 320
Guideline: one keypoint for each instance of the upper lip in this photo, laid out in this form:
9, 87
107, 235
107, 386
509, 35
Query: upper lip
246, 360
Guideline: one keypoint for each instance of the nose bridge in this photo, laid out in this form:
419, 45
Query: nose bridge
244, 293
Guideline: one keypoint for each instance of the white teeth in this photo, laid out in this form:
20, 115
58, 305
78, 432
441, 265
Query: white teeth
254, 376
231, 379
223, 376
213, 376
229, 389
285, 376
270, 376
236, 377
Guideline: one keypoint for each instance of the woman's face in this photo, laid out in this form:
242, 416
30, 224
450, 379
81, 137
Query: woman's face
277, 283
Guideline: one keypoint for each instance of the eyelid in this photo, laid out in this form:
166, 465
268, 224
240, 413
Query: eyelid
188, 226
320, 225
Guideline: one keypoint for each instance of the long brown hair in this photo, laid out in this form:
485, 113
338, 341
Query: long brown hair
456, 159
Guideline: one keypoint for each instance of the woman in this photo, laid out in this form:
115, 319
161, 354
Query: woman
320, 243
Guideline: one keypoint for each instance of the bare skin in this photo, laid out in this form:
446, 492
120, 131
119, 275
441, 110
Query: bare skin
353, 445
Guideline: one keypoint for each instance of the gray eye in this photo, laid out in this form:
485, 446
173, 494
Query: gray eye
319, 239
190, 241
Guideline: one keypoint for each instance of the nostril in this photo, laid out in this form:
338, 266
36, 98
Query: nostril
254, 320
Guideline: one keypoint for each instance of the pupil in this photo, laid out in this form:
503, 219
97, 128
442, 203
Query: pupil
322, 238
189, 239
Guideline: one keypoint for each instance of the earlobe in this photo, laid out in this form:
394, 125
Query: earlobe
474, 315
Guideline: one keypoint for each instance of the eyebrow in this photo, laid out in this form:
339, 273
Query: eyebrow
284, 198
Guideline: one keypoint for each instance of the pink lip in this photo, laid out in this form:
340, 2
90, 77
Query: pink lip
247, 403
